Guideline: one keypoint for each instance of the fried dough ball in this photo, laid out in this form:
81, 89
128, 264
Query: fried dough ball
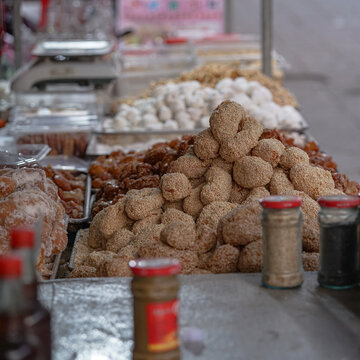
95, 237
197, 182
206, 147
178, 205
119, 265
331, 192
309, 207
189, 165
225, 120
269, 150
114, 219
204, 260
250, 258
175, 186
192, 204
310, 261
83, 272
251, 171
224, 259
238, 194
179, 235
154, 218
7, 186
119, 239
293, 156
256, 194
148, 237
141, 203
198, 271
251, 124
222, 164
97, 257
218, 186
212, 213
82, 252
238, 146
242, 225
205, 239
173, 215
280, 183
310, 236
312, 180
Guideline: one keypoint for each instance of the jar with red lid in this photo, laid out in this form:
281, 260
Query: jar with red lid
339, 263
281, 220
155, 287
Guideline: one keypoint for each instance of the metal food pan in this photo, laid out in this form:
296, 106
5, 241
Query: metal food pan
55, 266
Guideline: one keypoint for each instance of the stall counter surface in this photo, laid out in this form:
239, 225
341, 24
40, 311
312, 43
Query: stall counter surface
236, 317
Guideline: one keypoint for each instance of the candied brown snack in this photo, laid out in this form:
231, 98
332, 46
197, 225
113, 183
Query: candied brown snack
310, 261
153, 219
218, 186
212, 213
141, 203
114, 219
222, 164
7, 186
269, 150
242, 225
256, 194
225, 120
119, 239
192, 204
224, 259
179, 235
250, 258
174, 215
293, 156
310, 236
205, 239
178, 205
251, 171
238, 194
96, 258
206, 147
314, 181
83, 271
95, 237
148, 237
280, 183
175, 186
189, 165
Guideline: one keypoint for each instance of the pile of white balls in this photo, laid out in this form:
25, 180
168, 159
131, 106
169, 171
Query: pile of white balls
188, 105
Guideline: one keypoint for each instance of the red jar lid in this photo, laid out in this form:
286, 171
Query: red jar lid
10, 266
22, 238
339, 201
281, 202
155, 267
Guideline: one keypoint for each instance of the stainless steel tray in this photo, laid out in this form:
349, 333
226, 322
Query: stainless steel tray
55, 266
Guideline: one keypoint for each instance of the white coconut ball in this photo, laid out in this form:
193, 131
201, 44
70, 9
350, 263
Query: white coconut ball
240, 85
171, 125
261, 95
242, 99
120, 123
164, 113
204, 122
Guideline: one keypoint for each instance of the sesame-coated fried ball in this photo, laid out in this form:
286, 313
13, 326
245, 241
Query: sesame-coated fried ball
148, 237
222, 164
224, 259
218, 186
141, 203
206, 147
310, 261
205, 239
269, 150
212, 213
175, 186
314, 181
238, 194
95, 237
97, 257
173, 215
198, 271
293, 156
280, 183
256, 194
119, 239
204, 260
118, 267
154, 218
251, 171
197, 182
83, 271
189, 165
242, 225
238, 146
249, 123
192, 204
310, 236
178, 205
179, 235
250, 258
225, 120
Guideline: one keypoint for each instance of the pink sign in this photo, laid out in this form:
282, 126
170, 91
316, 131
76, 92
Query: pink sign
191, 18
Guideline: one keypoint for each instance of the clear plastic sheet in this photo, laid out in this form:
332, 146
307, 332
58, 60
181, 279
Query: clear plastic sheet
237, 318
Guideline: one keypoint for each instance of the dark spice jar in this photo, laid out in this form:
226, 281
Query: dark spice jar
339, 263
155, 288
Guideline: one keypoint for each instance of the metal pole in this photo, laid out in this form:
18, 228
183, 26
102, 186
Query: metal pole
228, 27
17, 33
266, 16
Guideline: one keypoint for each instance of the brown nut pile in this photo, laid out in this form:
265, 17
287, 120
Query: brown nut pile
206, 210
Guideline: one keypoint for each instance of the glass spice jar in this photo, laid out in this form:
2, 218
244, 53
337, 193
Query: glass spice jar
339, 263
155, 288
281, 220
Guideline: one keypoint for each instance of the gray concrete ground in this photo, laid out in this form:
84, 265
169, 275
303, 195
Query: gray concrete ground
320, 40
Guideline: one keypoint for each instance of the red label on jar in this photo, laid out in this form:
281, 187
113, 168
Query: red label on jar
162, 326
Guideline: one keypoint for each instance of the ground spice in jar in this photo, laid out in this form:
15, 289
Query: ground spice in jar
339, 262
281, 220
155, 288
